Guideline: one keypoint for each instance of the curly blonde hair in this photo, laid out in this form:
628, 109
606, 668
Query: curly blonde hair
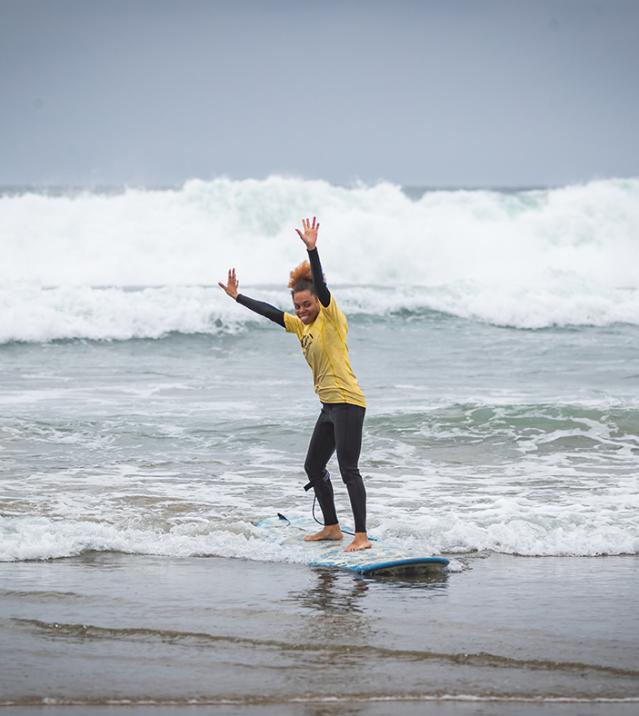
301, 278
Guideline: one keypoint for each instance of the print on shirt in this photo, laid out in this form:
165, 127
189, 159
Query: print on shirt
325, 349
306, 342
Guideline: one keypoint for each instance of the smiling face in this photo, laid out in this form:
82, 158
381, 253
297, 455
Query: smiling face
307, 306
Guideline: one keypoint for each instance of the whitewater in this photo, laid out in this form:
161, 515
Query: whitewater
494, 334
142, 263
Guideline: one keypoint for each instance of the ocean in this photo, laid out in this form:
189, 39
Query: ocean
146, 416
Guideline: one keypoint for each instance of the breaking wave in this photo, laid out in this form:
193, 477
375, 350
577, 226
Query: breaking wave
143, 263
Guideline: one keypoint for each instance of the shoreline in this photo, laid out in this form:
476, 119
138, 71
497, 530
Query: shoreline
141, 632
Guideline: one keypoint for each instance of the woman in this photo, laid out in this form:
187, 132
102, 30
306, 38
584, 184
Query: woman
321, 328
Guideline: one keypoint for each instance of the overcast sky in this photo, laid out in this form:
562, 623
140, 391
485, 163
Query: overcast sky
426, 93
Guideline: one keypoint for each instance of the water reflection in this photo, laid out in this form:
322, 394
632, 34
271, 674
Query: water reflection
424, 581
336, 605
334, 592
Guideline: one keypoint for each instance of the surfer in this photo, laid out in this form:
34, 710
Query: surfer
321, 328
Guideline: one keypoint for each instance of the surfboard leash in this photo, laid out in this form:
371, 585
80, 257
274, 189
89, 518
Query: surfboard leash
307, 487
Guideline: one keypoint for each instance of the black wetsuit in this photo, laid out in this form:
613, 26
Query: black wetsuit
338, 428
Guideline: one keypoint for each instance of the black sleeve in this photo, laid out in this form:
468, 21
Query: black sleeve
321, 289
264, 309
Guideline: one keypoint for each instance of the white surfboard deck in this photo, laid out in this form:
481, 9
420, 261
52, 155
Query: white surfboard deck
382, 558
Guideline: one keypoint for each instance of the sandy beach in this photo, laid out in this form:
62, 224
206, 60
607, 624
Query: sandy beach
112, 633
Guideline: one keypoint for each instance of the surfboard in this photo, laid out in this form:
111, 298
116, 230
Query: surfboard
383, 558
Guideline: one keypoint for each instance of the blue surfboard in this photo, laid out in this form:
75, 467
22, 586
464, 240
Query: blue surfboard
383, 558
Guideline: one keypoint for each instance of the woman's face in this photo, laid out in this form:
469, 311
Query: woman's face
307, 306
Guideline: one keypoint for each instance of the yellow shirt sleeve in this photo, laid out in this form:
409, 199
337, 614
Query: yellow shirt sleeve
292, 324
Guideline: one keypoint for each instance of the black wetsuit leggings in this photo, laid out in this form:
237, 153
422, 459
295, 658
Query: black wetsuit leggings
338, 428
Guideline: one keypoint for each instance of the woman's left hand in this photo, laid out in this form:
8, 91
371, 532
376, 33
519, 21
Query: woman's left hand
309, 237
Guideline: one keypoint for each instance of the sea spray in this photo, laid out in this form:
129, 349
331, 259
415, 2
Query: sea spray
527, 259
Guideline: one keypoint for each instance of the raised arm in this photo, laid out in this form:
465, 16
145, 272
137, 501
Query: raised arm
264, 309
309, 237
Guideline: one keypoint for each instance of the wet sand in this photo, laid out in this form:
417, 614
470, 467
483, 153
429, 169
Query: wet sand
113, 633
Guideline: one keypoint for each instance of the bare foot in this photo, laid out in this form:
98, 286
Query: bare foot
329, 532
360, 542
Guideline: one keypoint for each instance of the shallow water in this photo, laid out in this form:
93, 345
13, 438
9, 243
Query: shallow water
134, 629
476, 437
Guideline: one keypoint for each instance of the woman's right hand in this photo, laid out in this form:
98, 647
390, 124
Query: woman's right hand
232, 285
309, 237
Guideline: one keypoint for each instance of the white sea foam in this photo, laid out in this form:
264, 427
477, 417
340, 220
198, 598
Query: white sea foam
530, 259
42, 538
33, 314
506, 520
558, 503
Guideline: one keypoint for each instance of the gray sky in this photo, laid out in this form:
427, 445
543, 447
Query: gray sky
434, 93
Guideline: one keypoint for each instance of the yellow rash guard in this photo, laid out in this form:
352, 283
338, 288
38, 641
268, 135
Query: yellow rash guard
324, 346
